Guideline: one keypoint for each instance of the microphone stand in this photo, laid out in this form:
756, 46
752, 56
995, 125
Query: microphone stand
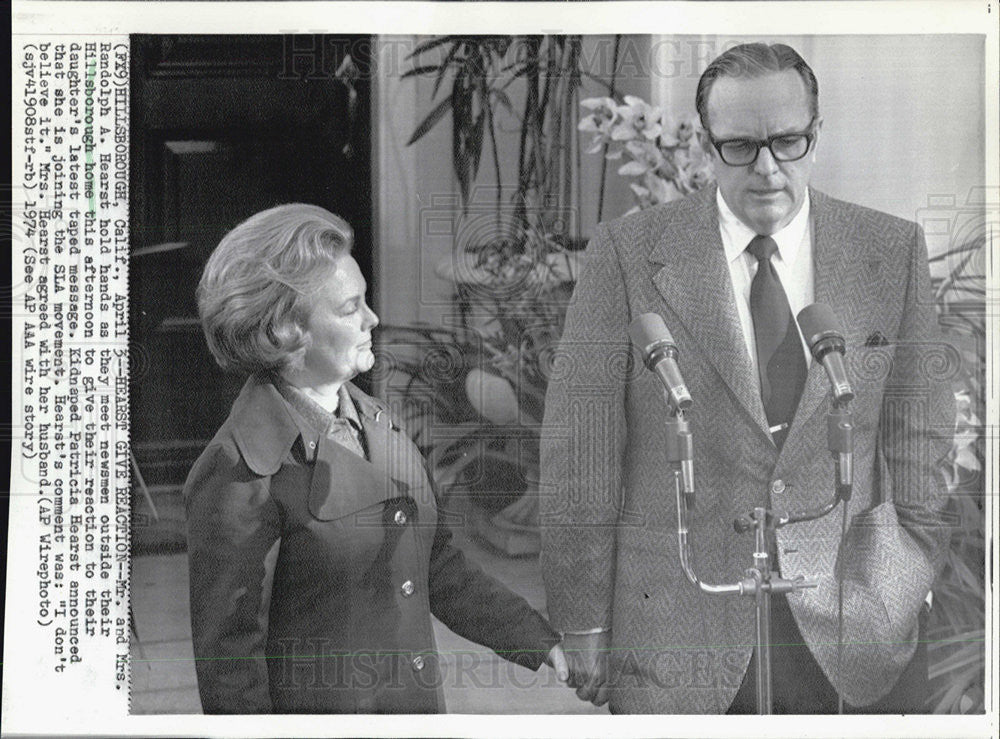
840, 442
760, 581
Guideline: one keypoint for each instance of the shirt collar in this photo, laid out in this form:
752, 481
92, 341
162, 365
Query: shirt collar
316, 416
736, 235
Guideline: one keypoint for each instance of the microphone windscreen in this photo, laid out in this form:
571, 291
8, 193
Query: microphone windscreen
817, 322
647, 330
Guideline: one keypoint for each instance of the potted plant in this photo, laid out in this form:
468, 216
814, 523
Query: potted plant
473, 401
512, 279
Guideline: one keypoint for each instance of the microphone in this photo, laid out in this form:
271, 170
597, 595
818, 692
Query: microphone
659, 352
821, 330
650, 334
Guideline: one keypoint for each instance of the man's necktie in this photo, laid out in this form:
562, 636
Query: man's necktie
780, 360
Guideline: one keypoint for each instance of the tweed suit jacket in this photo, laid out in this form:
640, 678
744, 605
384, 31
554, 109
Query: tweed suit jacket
609, 548
313, 581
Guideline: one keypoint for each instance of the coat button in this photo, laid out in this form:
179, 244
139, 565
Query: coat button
418, 663
778, 486
407, 588
400, 518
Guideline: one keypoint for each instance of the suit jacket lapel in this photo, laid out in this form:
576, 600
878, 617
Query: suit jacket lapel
843, 270
695, 284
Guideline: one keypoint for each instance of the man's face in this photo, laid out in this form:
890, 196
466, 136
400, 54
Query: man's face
765, 194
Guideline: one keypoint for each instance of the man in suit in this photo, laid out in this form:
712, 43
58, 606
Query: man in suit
728, 268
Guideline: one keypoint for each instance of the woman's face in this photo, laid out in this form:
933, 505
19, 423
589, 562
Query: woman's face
338, 330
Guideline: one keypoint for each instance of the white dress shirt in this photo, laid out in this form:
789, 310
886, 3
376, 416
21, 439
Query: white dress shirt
793, 263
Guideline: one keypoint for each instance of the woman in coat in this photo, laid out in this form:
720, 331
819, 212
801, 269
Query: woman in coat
316, 554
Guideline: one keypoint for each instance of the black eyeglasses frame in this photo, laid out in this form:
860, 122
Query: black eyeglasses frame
809, 133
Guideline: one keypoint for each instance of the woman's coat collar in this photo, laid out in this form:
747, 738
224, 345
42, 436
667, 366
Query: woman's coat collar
264, 429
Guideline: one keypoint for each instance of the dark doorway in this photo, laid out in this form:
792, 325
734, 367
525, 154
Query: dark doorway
223, 127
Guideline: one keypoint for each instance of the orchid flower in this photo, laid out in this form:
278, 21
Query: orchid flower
599, 122
662, 159
638, 118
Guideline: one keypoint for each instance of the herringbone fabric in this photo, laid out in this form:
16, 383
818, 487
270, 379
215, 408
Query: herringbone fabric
609, 551
780, 363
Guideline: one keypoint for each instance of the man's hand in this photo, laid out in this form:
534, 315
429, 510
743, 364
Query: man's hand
587, 655
556, 659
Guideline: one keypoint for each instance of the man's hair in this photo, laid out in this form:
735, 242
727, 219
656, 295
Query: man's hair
254, 296
755, 60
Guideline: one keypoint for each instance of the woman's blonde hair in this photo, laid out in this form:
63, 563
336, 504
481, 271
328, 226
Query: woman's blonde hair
253, 297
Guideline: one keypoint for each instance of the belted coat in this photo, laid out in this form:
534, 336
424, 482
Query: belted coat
313, 581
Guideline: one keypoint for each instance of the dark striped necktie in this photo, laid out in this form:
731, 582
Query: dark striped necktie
780, 360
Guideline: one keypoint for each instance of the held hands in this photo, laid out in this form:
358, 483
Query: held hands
587, 656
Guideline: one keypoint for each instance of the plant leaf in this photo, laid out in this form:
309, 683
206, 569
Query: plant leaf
460, 136
430, 121
449, 58
502, 98
476, 141
421, 70
430, 44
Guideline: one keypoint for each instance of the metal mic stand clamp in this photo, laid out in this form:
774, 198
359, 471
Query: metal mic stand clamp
761, 582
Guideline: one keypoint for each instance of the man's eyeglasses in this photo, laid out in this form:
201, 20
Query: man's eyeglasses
785, 147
